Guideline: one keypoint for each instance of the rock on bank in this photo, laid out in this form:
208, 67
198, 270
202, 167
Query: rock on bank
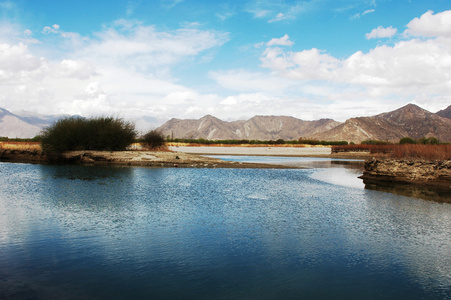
415, 171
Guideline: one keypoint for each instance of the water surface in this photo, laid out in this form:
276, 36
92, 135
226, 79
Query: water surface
80, 232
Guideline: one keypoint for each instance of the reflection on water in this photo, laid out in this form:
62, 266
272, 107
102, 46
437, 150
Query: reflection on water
297, 162
346, 172
348, 177
149, 233
440, 194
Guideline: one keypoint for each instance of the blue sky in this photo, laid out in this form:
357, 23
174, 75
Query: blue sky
233, 59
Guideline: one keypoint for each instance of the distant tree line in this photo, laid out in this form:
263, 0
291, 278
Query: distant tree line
7, 139
424, 141
405, 140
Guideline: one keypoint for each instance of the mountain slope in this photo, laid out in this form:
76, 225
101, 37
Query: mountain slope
410, 120
256, 128
445, 113
13, 126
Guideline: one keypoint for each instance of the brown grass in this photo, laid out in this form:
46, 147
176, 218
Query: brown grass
429, 152
20, 145
417, 151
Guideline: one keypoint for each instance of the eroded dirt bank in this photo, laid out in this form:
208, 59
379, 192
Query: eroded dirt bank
411, 171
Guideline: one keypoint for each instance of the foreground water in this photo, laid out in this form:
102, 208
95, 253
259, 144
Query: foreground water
77, 232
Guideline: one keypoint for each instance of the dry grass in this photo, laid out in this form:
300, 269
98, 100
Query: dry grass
430, 152
418, 151
20, 145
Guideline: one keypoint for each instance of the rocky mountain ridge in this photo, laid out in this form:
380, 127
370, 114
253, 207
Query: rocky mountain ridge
256, 128
445, 113
407, 121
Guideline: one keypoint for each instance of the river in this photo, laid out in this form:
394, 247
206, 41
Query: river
92, 232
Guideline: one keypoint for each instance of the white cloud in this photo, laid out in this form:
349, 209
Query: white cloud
277, 11
279, 17
260, 13
359, 15
53, 29
17, 64
381, 32
283, 41
76, 69
144, 47
128, 69
124, 69
430, 25
307, 64
170, 3
419, 69
245, 81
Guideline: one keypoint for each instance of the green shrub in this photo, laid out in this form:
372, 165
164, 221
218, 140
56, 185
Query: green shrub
76, 133
407, 140
153, 139
375, 142
429, 141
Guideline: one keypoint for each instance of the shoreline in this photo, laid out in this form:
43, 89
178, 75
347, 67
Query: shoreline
181, 156
168, 159
323, 152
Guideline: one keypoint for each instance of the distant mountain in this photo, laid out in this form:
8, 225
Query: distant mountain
13, 126
256, 128
445, 113
408, 121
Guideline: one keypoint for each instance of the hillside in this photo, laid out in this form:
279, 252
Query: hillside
14, 126
410, 120
445, 113
256, 128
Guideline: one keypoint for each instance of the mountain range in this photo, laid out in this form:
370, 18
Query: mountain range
410, 120
26, 126
256, 128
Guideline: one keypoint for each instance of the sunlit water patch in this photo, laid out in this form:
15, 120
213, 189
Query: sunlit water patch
77, 232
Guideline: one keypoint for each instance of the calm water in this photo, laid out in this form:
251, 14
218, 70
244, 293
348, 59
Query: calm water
79, 232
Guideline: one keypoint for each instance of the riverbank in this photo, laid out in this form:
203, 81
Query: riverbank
181, 156
436, 173
129, 158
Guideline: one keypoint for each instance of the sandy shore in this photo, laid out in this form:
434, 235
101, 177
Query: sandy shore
268, 151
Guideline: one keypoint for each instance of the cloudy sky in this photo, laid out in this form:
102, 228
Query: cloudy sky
232, 59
